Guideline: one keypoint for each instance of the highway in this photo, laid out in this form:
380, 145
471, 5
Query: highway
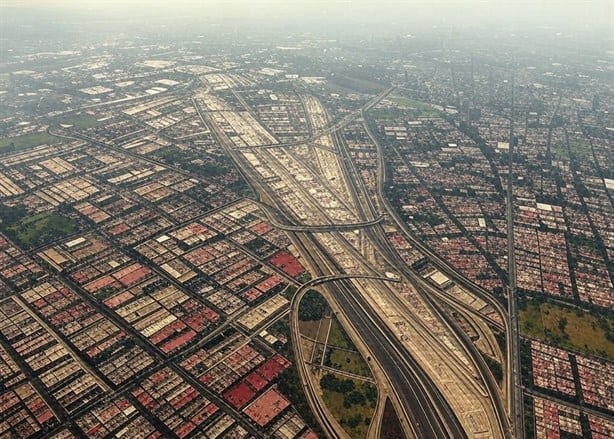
425, 407
414, 390
453, 274
515, 395
430, 414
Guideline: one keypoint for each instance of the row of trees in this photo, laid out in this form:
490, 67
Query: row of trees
352, 396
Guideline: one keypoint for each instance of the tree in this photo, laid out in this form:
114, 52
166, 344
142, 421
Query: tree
562, 324
353, 398
312, 306
334, 384
353, 421
371, 393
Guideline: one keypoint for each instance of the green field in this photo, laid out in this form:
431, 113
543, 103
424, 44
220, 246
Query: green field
309, 329
27, 141
357, 84
289, 292
341, 353
422, 109
408, 102
353, 406
338, 337
568, 328
581, 149
347, 361
559, 152
81, 121
352, 402
37, 230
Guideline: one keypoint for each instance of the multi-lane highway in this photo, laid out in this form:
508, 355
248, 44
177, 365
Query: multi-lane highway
329, 198
429, 414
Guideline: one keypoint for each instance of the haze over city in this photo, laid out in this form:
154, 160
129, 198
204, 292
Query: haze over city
306, 219
571, 13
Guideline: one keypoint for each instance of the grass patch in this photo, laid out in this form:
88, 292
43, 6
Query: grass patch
559, 152
81, 121
530, 321
305, 277
352, 403
318, 354
289, 291
40, 229
408, 102
26, 141
357, 84
347, 361
570, 328
338, 337
309, 329
581, 149
340, 353
421, 109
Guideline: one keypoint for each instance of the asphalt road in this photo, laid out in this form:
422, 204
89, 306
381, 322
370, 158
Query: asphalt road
430, 414
515, 395
424, 407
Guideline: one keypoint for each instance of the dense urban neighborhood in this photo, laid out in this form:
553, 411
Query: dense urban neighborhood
323, 237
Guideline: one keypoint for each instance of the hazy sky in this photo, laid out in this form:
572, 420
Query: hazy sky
575, 13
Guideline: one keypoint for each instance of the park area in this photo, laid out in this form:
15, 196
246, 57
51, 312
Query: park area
569, 328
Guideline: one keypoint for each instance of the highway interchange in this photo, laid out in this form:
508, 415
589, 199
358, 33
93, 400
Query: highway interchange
436, 378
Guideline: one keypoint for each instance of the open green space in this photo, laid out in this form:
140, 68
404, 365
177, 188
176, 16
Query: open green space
347, 361
309, 329
317, 354
357, 84
305, 277
341, 353
191, 162
352, 402
312, 306
36, 230
289, 292
80, 121
338, 337
408, 102
559, 152
581, 149
26, 141
530, 320
569, 328
422, 108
